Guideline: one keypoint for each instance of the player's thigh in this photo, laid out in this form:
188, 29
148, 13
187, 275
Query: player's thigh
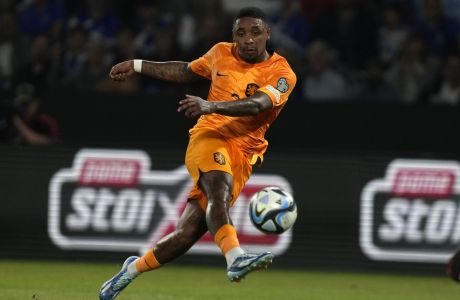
206, 152
242, 170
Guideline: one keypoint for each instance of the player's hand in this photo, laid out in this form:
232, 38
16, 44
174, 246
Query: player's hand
123, 70
193, 106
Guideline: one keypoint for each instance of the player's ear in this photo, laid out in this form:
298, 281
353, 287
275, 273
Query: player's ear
269, 32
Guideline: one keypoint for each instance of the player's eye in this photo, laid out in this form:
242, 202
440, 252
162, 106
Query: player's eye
256, 32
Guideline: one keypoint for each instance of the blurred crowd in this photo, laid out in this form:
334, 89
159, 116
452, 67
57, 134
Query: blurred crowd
405, 51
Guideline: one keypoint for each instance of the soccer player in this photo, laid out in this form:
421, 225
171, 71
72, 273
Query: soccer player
249, 86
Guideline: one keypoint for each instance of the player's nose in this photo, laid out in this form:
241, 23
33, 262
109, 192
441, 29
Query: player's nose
249, 41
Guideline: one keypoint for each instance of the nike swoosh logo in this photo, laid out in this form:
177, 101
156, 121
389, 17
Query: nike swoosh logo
220, 74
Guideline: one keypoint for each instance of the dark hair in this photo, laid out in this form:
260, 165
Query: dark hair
251, 12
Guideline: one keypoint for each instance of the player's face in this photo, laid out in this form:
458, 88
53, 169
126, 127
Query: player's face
250, 36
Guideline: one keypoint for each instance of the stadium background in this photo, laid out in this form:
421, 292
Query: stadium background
371, 89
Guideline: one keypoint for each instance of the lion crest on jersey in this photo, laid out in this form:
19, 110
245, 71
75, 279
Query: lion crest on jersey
219, 158
251, 89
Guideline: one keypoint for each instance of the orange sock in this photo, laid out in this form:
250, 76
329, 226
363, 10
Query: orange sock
147, 262
226, 238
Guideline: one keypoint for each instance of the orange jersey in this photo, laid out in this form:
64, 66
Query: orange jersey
233, 79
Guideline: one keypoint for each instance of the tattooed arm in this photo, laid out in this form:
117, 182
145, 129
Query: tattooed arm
172, 71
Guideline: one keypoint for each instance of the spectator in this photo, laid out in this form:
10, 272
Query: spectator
95, 69
124, 47
322, 82
440, 31
352, 29
452, 8
413, 72
40, 17
32, 126
290, 30
156, 33
392, 34
314, 9
448, 91
209, 28
156, 39
75, 56
12, 50
94, 75
98, 18
373, 88
41, 68
175, 28
147, 20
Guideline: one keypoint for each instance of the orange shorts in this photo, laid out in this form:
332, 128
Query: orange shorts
208, 151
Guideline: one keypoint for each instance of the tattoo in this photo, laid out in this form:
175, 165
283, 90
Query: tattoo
172, 71
251, 106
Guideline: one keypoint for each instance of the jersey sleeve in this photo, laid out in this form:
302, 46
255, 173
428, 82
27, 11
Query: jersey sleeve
280, 85
203, 65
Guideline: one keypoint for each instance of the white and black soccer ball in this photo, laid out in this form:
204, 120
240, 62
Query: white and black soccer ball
272, 210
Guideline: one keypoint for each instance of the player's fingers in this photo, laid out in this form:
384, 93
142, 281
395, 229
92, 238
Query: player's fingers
183, 101
187, 112
187, 99
184, 104
123, 76
193, 110
113, 73
184, 108
190, 110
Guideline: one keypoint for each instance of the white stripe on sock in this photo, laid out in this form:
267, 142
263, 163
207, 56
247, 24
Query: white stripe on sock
131, 270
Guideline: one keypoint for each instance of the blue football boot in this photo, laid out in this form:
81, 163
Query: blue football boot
112, 287
246, 263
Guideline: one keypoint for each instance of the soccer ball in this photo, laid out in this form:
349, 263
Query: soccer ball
272, 210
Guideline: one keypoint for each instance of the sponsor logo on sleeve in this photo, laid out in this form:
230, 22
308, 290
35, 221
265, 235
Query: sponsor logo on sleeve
413, 213
282, 85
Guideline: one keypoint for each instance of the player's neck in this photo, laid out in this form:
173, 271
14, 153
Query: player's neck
266, 56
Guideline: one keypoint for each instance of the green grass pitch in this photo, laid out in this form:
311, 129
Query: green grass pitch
71, 281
